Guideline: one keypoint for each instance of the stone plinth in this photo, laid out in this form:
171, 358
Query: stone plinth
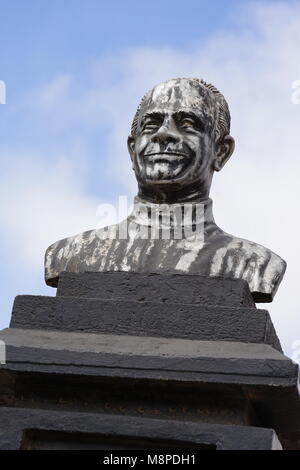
129, 361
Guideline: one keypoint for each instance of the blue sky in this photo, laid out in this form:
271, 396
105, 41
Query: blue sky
75, 71
40, 39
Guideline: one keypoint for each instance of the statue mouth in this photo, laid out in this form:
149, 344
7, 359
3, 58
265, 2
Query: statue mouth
164, 166
166, 157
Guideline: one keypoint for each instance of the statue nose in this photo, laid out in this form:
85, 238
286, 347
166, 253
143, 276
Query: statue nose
166, 134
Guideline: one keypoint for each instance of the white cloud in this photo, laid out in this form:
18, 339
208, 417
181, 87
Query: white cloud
54, 92
43, 199
256, 195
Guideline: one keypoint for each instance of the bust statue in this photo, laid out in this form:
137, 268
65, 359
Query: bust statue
180, 136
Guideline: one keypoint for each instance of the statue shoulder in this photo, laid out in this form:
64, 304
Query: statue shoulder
259, 266
264, 271
79, 253
67, 253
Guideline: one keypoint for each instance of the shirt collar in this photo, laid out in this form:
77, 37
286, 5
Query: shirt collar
189, 214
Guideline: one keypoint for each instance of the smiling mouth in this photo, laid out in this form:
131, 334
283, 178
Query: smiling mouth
166, 157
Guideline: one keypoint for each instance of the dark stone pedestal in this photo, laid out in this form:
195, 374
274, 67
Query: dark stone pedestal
132, 361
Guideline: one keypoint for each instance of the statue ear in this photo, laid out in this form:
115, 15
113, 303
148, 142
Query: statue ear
131, 146
224, 150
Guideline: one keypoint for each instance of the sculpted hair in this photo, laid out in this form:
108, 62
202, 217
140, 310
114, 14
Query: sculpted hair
222, 114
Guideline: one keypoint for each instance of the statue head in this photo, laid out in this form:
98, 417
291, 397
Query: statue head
179, 137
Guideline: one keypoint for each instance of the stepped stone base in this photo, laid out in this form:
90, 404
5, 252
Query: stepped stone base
36, 430
130, 361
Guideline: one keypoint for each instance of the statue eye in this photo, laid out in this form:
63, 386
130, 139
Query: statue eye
187, 124
151, 126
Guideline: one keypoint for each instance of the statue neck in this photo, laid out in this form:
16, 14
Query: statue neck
170, 194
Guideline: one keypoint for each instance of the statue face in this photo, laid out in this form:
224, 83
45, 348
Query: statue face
175, 141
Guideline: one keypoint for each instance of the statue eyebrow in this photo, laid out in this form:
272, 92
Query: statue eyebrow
154, 115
